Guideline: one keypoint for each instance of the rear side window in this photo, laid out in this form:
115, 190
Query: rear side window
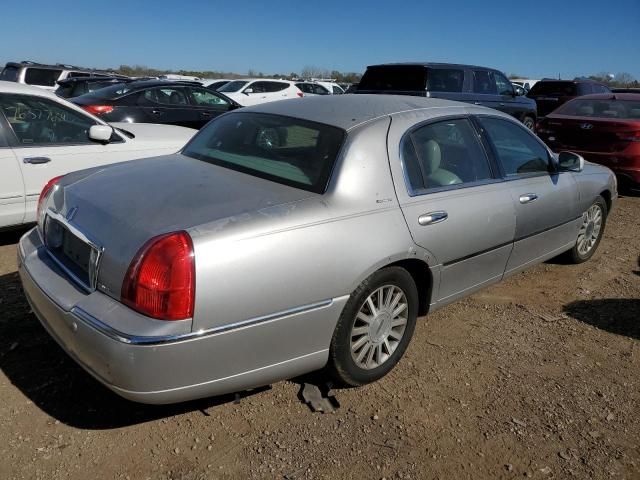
484, 83
394, 78
554, 88
445, 80
337, 90
621, 109
41, 76
517, 149
286, 150
9, 74
443, 154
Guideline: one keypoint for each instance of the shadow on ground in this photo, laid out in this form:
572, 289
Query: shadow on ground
616, 315
43, 372
9, 237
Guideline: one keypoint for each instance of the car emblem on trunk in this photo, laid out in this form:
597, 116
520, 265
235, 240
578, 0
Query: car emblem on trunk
586, 126
71, 213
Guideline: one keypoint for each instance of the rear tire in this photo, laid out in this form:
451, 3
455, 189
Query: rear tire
590, 233
375, 328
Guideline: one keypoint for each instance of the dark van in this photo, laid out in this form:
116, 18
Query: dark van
550, 94
464, 83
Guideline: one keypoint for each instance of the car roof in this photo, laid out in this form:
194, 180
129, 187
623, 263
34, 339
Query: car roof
430, 64
15, 87
349, 111
95, 79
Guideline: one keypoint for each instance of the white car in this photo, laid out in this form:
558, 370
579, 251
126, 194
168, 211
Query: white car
43, 136
332, 87
45, 76
252, 91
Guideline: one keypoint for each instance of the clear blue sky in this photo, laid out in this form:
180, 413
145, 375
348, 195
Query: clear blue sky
535, 38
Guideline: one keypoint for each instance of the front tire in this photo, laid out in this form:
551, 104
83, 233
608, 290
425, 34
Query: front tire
590, 233
375, 327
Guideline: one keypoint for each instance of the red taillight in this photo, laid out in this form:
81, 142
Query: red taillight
44, 194
160, 282
98, 109
300, 94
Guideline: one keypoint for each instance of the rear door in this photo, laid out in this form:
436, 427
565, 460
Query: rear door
207, 104
169, 105
11, 184
546, 203
454, 204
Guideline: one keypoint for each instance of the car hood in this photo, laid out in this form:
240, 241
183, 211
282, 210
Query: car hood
155, 133
121, 206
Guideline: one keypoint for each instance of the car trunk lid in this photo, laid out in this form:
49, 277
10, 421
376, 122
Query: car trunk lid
120, 207
591, 134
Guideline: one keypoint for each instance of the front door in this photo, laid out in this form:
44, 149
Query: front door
455, 205
208, 104
48, 139
11, 184
546, 203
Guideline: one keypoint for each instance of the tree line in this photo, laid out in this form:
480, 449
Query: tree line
307, 72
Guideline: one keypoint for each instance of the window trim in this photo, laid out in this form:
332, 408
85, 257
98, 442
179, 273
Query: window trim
552, 165
496, 175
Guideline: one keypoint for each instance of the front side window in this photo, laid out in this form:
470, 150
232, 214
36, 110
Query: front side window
43, 77
444, 154
206, 98
337, 90
166, 96
286, 150
517, 149
483, 83
39, 121
445, 80
503, 85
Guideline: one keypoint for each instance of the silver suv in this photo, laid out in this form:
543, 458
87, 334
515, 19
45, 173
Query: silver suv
44, 76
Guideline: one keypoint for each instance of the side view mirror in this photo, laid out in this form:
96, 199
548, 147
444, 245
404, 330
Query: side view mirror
247, 91
570, 162
100, 133
519, 91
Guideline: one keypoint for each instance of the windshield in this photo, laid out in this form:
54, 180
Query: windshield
116, 90
394, 78
286, 150
618, 109
233, 86
554, 88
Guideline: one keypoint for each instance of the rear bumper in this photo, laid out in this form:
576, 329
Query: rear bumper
184, 367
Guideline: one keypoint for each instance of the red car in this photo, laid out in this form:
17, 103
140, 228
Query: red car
603, 128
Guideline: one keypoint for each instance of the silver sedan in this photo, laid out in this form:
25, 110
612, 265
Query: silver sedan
297, 236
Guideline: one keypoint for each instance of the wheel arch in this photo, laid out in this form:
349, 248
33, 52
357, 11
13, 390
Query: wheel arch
423, 278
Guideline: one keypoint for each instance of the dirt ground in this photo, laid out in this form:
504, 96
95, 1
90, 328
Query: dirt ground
536, 377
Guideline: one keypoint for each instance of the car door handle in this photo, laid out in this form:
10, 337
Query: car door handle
206, 114
432, 217
477, 103
502, 104
157, 112
36, 160
528, 197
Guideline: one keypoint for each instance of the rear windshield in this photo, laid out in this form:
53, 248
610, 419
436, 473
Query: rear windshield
394, 78
114, 91
9, 74
232, 86
41, 76
286, 150
619, 109
554, 88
